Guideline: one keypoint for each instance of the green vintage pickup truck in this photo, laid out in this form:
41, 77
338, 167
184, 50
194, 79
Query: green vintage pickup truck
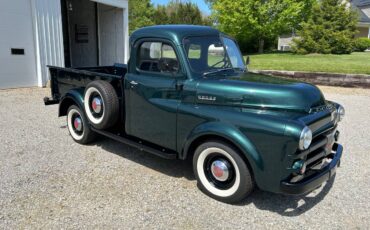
186, 94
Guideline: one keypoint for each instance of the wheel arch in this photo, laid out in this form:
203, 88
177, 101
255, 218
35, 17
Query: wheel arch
72, 97
226, 133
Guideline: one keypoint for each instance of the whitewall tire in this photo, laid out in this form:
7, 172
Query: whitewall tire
221, 172
91, 92
78, 126
101, 104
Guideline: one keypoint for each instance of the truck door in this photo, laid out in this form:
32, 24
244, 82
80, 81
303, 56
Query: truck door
153, 93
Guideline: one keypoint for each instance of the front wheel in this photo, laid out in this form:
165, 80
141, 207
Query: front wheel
78, 126
221, 172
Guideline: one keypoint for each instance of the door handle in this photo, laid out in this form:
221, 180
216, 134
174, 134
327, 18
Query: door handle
133, 83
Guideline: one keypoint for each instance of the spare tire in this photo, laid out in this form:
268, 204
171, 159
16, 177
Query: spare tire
101, 104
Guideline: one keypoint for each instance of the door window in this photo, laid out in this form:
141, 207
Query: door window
157, 57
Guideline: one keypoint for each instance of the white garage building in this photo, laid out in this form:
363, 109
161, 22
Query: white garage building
66, 33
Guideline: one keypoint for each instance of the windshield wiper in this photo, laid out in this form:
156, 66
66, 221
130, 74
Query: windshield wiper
217, 71
242, 69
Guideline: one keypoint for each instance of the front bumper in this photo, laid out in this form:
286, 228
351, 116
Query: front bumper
308, 184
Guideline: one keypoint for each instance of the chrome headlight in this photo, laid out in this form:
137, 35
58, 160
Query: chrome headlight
305, 138
341, 113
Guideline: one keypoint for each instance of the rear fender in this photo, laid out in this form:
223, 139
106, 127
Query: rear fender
230, 133
73, 96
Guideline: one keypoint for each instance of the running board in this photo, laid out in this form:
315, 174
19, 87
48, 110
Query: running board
137, 144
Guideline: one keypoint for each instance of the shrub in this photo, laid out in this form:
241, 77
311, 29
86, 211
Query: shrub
361, 44
330, 29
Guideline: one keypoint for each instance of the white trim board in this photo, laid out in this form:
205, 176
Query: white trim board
117, 3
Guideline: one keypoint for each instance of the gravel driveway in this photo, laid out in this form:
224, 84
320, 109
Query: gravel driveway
49, 181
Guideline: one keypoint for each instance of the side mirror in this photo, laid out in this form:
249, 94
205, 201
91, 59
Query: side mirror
247, 60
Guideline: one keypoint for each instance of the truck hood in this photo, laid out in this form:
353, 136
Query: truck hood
259, 91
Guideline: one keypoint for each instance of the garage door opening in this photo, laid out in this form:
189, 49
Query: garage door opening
93, 33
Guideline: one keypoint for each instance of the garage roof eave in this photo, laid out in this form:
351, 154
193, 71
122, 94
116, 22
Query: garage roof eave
116, 3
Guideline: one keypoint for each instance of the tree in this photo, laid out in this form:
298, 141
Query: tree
178, 12
143, 13
330, 29
140, 14
261, 20
161, 16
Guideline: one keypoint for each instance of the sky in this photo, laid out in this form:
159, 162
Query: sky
201, 4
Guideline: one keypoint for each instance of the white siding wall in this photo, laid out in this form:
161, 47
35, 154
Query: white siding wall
49, 37
16, 32
285, 42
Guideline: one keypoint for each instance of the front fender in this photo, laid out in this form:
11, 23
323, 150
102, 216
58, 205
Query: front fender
73, 96
232, 134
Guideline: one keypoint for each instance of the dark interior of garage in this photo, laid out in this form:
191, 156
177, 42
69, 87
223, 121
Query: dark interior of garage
92, 33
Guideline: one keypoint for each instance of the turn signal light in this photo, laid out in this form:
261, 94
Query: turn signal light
300, 166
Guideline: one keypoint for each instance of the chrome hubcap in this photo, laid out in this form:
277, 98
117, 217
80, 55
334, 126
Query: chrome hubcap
77, 123
220, 170
96, 105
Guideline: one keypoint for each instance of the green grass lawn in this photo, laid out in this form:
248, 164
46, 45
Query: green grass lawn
355, 63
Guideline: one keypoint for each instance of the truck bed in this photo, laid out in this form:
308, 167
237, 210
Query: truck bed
64, 79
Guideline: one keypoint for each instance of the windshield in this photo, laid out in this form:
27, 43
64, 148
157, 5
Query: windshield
213, 54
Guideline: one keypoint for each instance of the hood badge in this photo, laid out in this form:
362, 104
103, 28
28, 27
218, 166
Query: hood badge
206, 98
321, 108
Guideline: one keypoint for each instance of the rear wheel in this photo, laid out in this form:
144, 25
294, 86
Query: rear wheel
221, 172
78, 126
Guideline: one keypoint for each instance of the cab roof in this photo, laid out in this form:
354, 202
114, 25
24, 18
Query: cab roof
175, 33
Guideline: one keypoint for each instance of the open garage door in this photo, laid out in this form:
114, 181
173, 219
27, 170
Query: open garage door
111, 35
94, 33
80, 33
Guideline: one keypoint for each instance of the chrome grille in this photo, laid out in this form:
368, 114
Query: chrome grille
320, 149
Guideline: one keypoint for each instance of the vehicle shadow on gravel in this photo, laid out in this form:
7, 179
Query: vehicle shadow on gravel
174, 168
288, 205
284, 205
